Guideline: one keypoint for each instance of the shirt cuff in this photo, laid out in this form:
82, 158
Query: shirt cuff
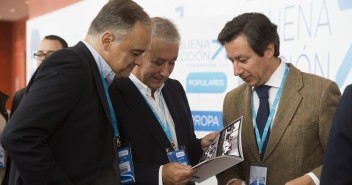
161, 175
232, 180
314, 177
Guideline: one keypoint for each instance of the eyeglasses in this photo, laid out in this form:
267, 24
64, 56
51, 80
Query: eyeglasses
41, 55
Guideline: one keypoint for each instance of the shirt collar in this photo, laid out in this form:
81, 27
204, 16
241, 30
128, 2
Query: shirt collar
144, 89
103, 66
276, 77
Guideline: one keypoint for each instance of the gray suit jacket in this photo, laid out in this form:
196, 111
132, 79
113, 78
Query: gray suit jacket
300, 128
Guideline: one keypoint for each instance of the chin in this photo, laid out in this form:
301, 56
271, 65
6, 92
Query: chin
250, 84
123, 75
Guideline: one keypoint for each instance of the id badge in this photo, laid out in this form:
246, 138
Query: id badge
2, 157
258, 175
125, 164
178, 155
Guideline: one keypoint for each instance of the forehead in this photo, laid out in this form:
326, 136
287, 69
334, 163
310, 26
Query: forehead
238, 46
162, 49
138, 38
49, 45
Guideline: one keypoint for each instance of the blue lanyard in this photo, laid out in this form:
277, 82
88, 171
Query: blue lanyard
260, 141
112, 112
164, 126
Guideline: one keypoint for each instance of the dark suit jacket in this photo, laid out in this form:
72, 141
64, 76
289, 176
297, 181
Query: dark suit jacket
337, 168
17, 99
299, 133
138, 126
11, 174
61, 132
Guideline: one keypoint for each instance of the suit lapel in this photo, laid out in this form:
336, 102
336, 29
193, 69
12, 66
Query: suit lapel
289, 102
171, 102
147, 120
86, 55
248, 124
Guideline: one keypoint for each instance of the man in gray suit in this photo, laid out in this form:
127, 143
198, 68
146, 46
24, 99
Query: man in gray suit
287, 113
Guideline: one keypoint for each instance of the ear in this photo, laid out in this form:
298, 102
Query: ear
270, 50
106, 40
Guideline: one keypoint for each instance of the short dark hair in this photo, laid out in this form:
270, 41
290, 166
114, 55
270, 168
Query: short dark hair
258, 30
55, 37
119, 17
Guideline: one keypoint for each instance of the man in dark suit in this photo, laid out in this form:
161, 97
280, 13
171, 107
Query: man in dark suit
337, 168
148, 102
62, 131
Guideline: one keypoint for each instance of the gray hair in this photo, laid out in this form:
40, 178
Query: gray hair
119, 17
166, 30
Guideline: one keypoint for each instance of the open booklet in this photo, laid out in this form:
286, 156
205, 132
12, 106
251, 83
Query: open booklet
224, 152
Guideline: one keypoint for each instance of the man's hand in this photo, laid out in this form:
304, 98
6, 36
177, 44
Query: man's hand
206, 140
176, 174
302, 180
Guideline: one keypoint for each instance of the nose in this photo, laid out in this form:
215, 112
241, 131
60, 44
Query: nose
41, 59
138, 60
237, 68
165, 70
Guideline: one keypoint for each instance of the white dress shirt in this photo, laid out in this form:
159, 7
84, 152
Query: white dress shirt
104, 68
159, 105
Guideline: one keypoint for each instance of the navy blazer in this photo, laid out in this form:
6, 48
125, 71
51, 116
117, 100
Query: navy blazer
139, 127
337, 166
61, 132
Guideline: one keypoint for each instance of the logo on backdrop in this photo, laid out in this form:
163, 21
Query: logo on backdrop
207, 82
207, 120
309, 33
346, 64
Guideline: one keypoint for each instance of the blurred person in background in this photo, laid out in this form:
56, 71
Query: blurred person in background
47, 46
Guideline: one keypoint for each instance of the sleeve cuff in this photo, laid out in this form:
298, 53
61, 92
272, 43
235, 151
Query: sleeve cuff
161, 175
233, 180
314, 177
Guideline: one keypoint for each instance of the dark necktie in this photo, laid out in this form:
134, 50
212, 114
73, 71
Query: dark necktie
263, 111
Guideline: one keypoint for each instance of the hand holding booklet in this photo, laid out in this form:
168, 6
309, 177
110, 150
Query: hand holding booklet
224, 152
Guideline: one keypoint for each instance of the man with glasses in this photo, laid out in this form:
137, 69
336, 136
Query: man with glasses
47, 46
